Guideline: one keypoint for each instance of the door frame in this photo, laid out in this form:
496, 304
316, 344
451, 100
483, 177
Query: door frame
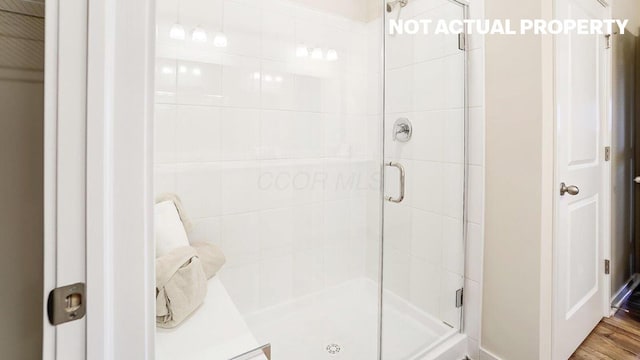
606, 140
118, 131
64, 210
121, 58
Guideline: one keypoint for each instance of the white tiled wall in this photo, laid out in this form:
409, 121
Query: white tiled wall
271, 154
277, 157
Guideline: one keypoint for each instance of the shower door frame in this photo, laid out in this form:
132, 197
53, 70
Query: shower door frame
464, 4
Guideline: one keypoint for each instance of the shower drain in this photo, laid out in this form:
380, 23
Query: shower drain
333, 349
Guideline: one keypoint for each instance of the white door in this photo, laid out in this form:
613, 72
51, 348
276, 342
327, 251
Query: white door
65, 168
579, 290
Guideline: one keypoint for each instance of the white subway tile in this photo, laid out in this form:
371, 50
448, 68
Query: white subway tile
275, 229
240, 238
198, 133
453, 246
425, 285
165, 134
453, 196
199, 83
206, 230
242, 283
240, 134
199, 189
427, 236
242, 27
240, 188
276, 279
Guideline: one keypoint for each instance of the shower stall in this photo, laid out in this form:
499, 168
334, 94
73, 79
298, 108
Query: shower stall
327, 160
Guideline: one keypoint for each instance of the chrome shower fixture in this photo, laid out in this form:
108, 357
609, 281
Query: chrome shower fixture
392, 4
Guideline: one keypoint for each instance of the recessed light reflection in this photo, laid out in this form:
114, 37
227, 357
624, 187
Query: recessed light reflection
177, 32
220, 40
317, 54
199, 35
302, 51
167, 70
256, 75
332, 55
196, 72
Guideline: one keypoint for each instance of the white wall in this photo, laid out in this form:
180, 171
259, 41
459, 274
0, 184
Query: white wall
270, 153
21, 156
519, 180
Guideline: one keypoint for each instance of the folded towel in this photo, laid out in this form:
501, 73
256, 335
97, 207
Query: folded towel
181, 285
210, 256
170, 233
178, 204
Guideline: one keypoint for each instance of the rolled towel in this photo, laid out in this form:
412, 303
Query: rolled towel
181, 286
170, 233
210, 256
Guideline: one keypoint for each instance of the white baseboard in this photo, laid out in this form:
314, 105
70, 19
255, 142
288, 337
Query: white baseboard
487, 355
620, 296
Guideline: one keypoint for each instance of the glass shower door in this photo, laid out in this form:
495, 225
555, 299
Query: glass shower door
424, 154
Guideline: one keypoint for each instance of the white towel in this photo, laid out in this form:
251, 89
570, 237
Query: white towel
169, 230
181, 285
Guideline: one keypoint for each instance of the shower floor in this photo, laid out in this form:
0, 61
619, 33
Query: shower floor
342, 323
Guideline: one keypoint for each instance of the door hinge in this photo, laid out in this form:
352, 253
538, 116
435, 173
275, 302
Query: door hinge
607, 267
607, 153
462, 41
459, 297
67, 303
607, 41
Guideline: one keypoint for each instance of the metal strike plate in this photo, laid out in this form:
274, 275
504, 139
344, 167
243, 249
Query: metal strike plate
459, 298
67, 303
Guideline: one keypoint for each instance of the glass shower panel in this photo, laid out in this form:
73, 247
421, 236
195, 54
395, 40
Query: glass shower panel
268, 128
424, 142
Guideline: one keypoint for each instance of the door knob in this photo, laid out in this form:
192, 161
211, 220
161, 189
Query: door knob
571, 189
637, 180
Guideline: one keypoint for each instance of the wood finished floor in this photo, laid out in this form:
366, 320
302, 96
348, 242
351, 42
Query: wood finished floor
615, 338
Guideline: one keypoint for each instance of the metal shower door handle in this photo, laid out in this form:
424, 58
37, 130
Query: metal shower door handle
402, 182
